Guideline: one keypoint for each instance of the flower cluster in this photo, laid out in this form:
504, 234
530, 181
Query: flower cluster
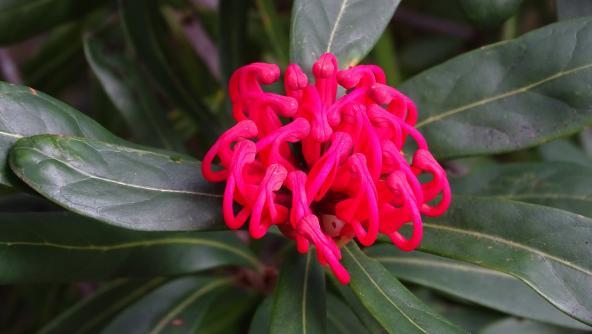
324, 169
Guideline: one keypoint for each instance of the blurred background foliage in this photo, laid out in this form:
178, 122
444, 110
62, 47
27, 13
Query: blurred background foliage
161, 67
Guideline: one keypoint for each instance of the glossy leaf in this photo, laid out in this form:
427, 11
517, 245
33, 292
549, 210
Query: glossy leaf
299, 298
176, 307
341, 319
122, 186
90, 314
482, 286
548, 249
556, 184
144, 28
23, 19
569, 9
347, 28
35, 248
518, 326
395, 307
509, 95
490, 12
565, 151
127, 88
26, 112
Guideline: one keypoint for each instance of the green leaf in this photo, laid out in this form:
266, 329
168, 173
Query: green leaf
176, 307
569, 9
262, 317
546, 248
299, 298
372, 326
61, 246
490, 12
27, 112
233, 32
395, 307
347, 28
482, 286
469, 317
230, 313
341, 319
509, 95
128, 90
556, 184
518, 326
566, 151
118, 185
144, 29
90, 314
23, 19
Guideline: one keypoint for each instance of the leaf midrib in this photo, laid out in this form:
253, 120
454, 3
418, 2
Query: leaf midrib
509, 243
120, 183
377, 286
304, 292
513, 92
522, 196
186, 302
136, 244
431, 263
344, 5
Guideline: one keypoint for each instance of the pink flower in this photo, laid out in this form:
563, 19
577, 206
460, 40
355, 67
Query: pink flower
324, 169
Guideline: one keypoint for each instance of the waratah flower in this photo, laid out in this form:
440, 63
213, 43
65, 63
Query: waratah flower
324, 169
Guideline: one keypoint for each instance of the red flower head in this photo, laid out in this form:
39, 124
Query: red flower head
324, 169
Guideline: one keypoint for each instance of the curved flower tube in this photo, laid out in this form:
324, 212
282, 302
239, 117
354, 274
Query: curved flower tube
324, 168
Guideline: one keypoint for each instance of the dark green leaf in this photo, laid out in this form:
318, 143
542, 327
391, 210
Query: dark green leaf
233, 32
61, 246
130, 93
509, 95
21, 19
262, 317
144, 27
230, 313
176, 307
341, 319
566, 151
517, 326
569, 9
90, 314
489, 12
372, 326
347, 28
299, 298
395, 307
560, 185
118, 185
482, 286
548, 249
27, 112
469, 317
